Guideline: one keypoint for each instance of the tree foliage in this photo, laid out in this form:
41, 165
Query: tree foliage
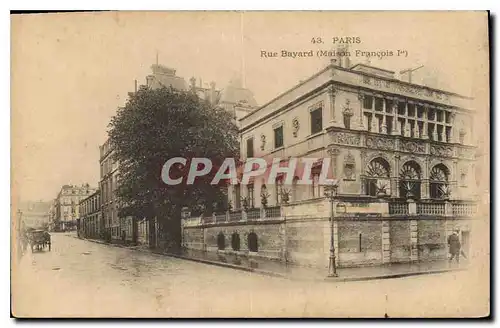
154, 126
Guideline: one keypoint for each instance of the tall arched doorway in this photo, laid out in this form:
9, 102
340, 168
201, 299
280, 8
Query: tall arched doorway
410, 178
438, 184
377, 176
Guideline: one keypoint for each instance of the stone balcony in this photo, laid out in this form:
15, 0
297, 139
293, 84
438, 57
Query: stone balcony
321, 208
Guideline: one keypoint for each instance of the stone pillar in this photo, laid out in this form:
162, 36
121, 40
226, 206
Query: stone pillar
333, 152
434, 133
424, 189
386, 242
374, 125
384, 123
453, 135
413, 240
361, 97
448, 209
454, 181
407, 131
331, 101
395, 178
412, 207
425, 132
362, 155
397, 129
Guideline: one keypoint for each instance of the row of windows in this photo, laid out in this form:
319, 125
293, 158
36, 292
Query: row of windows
407, 109
252, 241
410, 119
316, 126
377, 179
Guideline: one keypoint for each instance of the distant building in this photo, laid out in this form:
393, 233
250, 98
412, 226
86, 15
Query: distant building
67, 205
90, 216
35, 214
163, 76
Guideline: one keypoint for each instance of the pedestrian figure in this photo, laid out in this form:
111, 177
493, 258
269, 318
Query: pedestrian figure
454, 246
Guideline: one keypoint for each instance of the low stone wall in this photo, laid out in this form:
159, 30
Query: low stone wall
306, 241
400, 241
360, 242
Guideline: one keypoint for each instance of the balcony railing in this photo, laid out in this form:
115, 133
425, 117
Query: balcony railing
398, 208
253, 214
464, 209
236, 216
273, 212
431, 208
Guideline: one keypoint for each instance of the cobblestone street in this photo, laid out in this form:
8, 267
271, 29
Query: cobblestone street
81, 278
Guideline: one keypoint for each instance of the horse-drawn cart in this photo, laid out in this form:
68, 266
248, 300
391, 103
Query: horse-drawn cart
39, 239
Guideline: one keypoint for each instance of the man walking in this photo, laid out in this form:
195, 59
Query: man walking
454, 246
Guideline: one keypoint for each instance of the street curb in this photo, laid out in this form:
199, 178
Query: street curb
392, 275
280, 275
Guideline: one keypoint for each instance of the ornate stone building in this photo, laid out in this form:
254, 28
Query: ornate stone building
403, 156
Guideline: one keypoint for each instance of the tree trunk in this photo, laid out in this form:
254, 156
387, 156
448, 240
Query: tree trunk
171, 228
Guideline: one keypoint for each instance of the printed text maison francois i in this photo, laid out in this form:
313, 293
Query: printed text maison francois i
330, 53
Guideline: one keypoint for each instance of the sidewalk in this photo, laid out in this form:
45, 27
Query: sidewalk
277, 269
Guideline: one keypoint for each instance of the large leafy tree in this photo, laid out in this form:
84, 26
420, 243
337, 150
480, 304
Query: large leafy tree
159, 124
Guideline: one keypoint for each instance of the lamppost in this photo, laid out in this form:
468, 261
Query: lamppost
331, 194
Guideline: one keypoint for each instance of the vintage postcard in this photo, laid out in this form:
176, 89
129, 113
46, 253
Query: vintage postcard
250, 164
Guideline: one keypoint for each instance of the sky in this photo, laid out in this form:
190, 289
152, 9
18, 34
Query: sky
70, 72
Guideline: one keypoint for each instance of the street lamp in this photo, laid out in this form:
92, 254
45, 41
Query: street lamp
331, 193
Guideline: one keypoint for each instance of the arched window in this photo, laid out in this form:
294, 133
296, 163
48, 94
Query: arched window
409, 180
377, 177
253, 245
235, 241
221, 241
438, 184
